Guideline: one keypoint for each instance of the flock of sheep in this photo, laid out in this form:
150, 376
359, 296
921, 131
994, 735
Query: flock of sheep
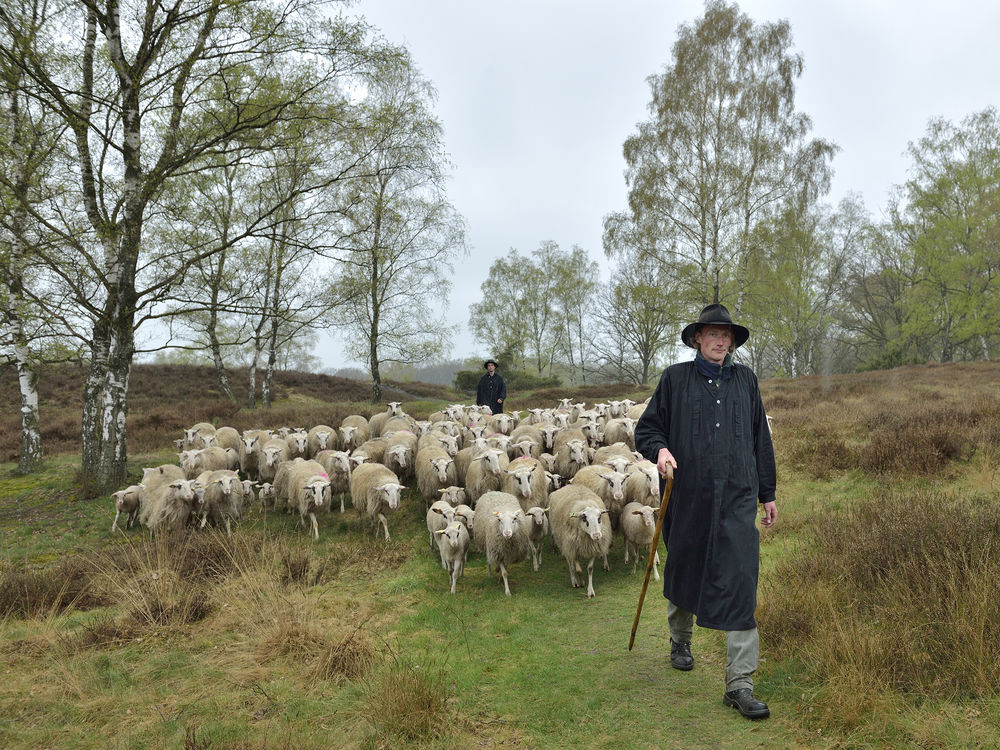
504, 481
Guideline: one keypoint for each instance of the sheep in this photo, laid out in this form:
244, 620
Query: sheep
571, 456
266, 496
538, 529
548, 461
375, 490
453, 541
220, 498
282, 493
464, 458
434, 469
194, 437
320, 438
448, 443
555, 481
250, 443
635, 411
619, 449
643, 484
549, 432
608, 484
529, 431
438, 516
373, 450
400, 451
466, 515
168, 506
581, 530
308, 483
159, 475
338, 466
525, 479
226, 438
249, 498
195, 462
377, 423
354, 431
471, 433
638, 525
502, 423
298, 444
127, 501
403, 422
499, 440
620, 430
485, 473
501, 532
271, 455
454, 494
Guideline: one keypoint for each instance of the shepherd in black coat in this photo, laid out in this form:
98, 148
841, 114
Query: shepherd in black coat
492, 391
706, 419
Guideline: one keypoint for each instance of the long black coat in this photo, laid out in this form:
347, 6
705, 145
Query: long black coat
725, 466
491, 388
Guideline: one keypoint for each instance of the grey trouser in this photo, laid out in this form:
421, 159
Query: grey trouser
742, 647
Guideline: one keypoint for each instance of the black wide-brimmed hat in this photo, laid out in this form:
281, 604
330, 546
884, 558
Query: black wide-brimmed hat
717, 315
490, 360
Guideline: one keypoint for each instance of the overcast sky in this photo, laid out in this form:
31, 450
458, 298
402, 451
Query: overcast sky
537, 97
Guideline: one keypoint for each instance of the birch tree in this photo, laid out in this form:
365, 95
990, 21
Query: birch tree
722, 149
155, 91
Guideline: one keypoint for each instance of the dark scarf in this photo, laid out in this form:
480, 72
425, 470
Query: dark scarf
712, 370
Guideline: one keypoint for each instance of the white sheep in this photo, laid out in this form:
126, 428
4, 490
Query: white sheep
465, 456
447, 443
581, 530
377, 423
159, 475
638, 525
270, 456
466, 515
643, 484
607, 484
438, 516
127, 501
538, 529
169, 506
453, 541
373, 450
400, 451
266, 496
485, 473
298, 444
227, 438
525, 479
308, 484
354, 431
194, 437
435, 469
251, 443
453, 494
339, 466
375, 490
571, 456
501, 532
220, 498
320, 438
620, 430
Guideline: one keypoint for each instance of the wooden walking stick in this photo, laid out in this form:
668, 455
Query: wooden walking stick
652, 549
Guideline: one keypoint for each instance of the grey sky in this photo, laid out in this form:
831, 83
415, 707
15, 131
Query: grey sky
537, 97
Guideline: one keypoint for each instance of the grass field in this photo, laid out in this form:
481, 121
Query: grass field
877, 607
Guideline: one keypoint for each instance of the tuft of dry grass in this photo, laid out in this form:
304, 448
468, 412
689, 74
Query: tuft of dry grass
36, 592
327, 655
406, 702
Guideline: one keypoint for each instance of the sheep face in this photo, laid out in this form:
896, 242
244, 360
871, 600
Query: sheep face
523, 477
465, 514
548, 434
396, 455
422, 427
491, 459
616, 482
441, 467
525, 447
394, 409
577, 451
184, 490
314, 491
648, 515
455, 536
390, 494
508, 522
555, 480
618, 463
250, 442
339, 462
271, 455
453, 495
324, 438
548, 460
449, 443
590, 520
299, 442
536, 515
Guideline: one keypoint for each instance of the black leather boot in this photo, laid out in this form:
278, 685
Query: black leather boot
680, 656
744, 702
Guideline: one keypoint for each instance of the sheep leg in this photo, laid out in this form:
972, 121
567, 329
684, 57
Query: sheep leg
626, 554
315, 524
656, 565
385, 524
454, 575
506, 585
444, 563
590, 579
341, 502
204, 520
534, 559
229, 528
114, 524
572, 571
